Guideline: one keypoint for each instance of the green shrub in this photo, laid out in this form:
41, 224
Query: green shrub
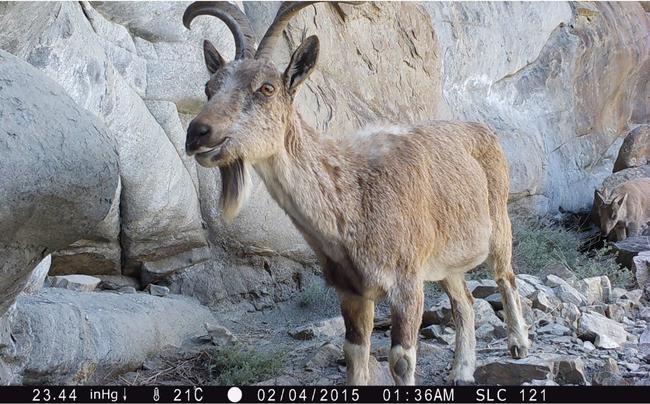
537, 246
240, 366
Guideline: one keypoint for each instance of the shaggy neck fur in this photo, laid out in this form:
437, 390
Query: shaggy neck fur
304, 179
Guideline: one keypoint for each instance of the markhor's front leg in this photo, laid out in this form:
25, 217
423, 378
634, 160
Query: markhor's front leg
358, 314
406, 305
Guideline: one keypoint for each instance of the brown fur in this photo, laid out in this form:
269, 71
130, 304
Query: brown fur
626, 211
384, 210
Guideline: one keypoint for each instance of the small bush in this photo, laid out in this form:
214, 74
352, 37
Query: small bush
603, 262
239, 366
537, 246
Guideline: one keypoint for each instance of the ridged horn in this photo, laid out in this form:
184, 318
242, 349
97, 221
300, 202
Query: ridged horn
234, 18
287, 11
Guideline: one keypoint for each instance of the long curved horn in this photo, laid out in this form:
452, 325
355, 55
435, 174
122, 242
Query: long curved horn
286, 12
234, 18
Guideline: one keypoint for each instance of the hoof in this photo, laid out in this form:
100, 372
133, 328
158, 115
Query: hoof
401, 367
518, 351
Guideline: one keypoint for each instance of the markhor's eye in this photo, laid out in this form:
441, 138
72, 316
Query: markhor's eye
267, 89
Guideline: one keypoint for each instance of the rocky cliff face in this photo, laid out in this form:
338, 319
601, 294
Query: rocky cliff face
95, 98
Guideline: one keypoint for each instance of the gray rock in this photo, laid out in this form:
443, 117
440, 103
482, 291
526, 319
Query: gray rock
596, 289
631, 247
220, 335
438, 314
616, 312
604, 332
571, 314
38, 216
100, 254
508, 372
595, 308
379, 373
90, 257
95, 335
554, 281
632, 296
635, 151
159, 205
326, 328
536, 282
570, 370
37, 278
644, 313
439, 333
527, 73
488, 325
495, 301
80, 283
608, 374
116, 282
563, 369
624, 175
156, 271
641, 268
482, 288
569, 294
618, 293
560, 270
540, 300
157, 290
525, 288
262, 281
644, 345
327, 355
554, 329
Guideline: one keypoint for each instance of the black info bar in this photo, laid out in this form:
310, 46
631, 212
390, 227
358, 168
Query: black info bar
314, 394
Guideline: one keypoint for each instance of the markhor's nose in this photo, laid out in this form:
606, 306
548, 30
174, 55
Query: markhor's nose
198, 129
196, 132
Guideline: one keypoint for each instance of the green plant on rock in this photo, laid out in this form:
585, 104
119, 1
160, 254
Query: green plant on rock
537, 246
239, 366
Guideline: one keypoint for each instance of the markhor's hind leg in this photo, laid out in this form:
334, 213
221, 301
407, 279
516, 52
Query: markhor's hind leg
499, 261
462, 306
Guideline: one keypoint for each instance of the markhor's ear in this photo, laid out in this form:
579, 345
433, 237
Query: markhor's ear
302, 63
213, 60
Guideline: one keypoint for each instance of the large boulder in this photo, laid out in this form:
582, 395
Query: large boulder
172, 54
635, 150
94, 335
629, 248
97, 63
60, 172
560, 84
614, 180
